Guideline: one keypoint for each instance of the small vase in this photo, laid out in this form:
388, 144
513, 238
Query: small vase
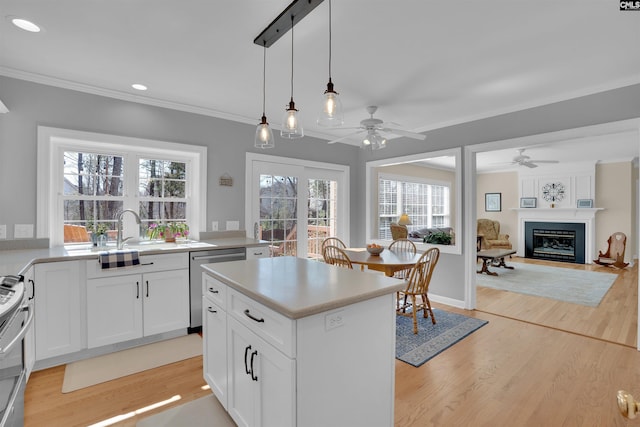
102, 240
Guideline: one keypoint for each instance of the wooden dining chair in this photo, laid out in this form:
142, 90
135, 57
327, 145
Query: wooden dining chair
333, 241
418, 286
403, 245
336, 256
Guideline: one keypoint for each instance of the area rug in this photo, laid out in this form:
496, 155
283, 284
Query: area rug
562, 284
203, 412
431, 340
96, 370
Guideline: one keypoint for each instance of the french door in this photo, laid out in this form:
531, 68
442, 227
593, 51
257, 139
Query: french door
295, 204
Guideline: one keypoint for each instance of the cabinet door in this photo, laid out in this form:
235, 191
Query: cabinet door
58, 309
114, 309
261, 380
166, 301
30, 336
214, 332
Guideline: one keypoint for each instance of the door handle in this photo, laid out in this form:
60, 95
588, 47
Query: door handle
253, 377
137, 290
211, 310
246, 366
147, 288
213, 291
33, 289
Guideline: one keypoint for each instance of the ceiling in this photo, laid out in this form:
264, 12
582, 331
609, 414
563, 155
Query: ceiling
424, 64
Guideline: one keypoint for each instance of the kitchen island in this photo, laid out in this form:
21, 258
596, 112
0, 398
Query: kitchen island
290, 341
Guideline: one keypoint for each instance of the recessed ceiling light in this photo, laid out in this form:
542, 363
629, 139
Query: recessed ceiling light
23, 24
138, 86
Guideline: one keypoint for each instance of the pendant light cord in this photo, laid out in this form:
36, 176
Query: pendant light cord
264, 77
329, 39
292, 57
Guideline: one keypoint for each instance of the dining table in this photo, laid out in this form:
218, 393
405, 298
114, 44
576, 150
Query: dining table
388, 261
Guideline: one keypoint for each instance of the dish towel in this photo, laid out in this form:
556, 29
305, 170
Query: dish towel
118, 259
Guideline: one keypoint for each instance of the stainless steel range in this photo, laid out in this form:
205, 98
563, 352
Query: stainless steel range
16, 315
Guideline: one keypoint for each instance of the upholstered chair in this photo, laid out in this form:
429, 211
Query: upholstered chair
398, 231
491, 238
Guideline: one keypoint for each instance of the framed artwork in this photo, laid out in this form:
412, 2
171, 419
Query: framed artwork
528, 202
585, 203
493, 202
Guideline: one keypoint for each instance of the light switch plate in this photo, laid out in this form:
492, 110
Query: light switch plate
233, 225
214, 225
23, 231
3, 231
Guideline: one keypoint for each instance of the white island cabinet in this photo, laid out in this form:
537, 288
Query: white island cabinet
294, 342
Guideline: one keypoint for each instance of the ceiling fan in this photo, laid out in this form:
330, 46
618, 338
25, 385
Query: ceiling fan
524, 160
372, 127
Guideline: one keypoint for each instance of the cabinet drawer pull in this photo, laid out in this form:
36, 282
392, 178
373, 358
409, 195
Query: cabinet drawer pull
253, 377
211, 310
213, 291
246, 366
33, 289
250, 316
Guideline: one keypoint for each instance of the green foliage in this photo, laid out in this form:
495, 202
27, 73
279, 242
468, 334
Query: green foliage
97, 228
160, 231
439, 238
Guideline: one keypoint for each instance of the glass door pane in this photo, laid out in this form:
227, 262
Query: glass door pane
321, 214
279, 213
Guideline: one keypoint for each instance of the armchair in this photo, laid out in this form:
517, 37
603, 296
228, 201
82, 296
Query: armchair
491, 238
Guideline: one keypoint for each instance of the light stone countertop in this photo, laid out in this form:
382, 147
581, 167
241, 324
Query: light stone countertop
17, 261
296, 287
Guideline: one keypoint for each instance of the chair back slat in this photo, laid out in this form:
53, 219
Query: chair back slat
333, 241
336, 256
403, 245
420, 274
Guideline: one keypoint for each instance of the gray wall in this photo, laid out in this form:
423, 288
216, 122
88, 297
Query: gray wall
32, 104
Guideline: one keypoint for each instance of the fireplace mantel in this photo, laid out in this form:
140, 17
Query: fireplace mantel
585, 216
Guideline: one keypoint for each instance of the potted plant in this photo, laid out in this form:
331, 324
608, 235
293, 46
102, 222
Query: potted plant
98, 232
168, 231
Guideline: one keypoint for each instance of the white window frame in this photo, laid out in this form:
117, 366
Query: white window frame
311, 169
418, 180
53, 142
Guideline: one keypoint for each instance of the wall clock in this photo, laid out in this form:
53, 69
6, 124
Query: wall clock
553, 192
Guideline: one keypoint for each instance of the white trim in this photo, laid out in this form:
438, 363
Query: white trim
369, 208
52, 140
309, 165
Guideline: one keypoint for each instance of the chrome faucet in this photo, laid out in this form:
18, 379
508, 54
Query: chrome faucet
120, 241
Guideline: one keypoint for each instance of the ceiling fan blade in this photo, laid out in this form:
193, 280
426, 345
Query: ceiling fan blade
529, 164
405, 133
349, 135
544, 161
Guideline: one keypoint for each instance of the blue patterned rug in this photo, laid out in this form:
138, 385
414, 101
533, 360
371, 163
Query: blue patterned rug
431, 339
563, 284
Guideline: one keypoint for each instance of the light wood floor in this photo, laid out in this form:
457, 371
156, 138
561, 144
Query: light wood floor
508, 373
615, 319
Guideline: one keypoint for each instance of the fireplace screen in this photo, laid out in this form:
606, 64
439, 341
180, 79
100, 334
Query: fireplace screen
559, 245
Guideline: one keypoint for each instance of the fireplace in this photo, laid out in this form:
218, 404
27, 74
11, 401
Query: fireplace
555, 241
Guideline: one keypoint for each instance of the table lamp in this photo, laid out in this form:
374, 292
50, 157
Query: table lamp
404, 220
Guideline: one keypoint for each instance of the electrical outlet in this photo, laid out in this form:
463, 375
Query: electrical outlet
23, 231
3, 231
334, 320
214, 225
233, 225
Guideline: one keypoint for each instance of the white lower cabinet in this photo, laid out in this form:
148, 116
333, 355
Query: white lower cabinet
261, 380
214, 321
58, 309
130, 306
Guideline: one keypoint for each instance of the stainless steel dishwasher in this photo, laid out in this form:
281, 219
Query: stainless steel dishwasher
198, 258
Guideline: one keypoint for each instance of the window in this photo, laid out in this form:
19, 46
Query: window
86, 179
426, 203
